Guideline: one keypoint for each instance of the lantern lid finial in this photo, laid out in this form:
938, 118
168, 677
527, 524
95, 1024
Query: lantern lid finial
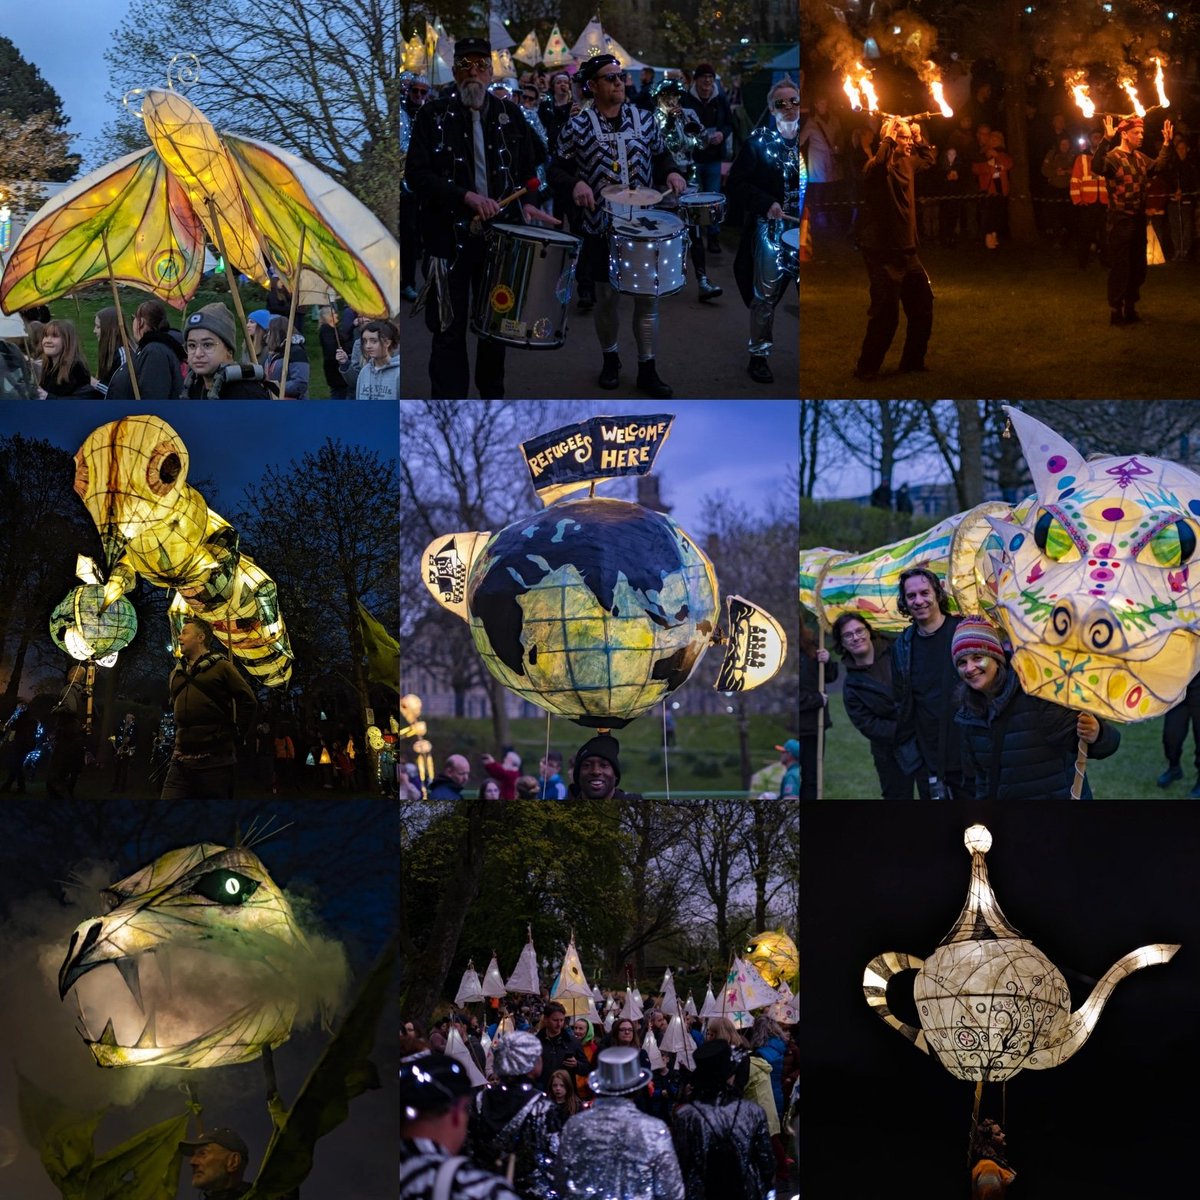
978, 839
981, 917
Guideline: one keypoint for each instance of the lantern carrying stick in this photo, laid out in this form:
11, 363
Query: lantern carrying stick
821, 710
137, 395
1080, 770
231, 275
291, 325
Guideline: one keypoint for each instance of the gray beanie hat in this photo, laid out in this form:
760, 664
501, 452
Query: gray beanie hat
216, 318
516, 1053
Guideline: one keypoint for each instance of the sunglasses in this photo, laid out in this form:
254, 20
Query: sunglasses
612, 77
787, 103
418, 91
472, 64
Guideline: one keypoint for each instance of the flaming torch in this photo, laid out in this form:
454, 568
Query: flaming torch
864, 82
859, 91
852, 94
935, 87
1079, 89
1160, 84
1131, 92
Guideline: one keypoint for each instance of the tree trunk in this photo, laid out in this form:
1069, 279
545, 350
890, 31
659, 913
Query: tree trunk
361, 684
969, 481
500, 727
761, 836
13, 689
810, 429
427, 967
1021, 225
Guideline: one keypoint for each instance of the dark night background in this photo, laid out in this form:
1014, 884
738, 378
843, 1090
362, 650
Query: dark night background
337, 860
1086, 883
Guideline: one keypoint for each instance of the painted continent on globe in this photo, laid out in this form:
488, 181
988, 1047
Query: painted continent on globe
595, 609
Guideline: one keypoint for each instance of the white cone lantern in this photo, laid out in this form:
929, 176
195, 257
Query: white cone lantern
470, 991
493, 982
650, 1046
457, 1049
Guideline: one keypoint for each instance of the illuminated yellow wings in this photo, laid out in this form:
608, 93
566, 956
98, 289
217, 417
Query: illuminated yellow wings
154, 237
345, 243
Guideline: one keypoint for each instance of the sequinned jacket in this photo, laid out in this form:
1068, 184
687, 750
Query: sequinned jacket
517, 1119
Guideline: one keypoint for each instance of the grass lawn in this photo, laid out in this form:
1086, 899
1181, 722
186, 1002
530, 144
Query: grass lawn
1010, 324
1127, 775
82, 311
704, 760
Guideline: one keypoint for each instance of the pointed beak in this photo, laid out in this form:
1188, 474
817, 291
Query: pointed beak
88, 950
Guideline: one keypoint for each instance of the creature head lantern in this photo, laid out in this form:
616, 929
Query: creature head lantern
1091, 578
193, 965
596, 609
989, 1001
775, 956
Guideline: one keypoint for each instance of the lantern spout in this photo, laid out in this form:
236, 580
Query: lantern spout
875, 980
1084, 1019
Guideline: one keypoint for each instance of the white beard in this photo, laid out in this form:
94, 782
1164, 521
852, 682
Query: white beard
787, 129
472, 93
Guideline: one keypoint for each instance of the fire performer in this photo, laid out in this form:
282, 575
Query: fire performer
887, 236
1127, 172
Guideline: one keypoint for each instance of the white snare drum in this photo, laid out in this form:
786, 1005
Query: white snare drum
702, 209
789, 251
647, 254
526, 287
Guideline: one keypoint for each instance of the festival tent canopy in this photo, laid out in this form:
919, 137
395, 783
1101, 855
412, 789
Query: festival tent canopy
493, 983
627, 60
470, 989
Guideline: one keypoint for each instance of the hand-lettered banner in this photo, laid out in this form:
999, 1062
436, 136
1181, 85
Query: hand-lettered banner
573, 457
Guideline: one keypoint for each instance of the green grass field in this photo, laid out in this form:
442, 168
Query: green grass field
81, 310
1010, 324
1127, 775
704, 760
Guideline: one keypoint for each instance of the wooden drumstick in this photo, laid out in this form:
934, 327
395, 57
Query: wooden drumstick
531, 185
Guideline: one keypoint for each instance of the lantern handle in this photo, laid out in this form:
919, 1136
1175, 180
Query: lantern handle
875, 979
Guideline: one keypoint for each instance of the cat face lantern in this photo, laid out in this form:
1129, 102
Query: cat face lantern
1092, 578
192, 966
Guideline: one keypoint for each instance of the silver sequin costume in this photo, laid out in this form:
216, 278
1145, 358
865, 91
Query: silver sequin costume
699, 1126
517, 1118
614, 1152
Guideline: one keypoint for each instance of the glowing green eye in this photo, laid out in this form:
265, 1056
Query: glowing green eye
225, 887
1053, 539
1173, 545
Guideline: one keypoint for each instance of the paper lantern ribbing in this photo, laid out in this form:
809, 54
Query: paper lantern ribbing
132, 477
596, 609
571, 988
775, 956
194, 965
156, 207
82, 626
989, 1001
1091, 577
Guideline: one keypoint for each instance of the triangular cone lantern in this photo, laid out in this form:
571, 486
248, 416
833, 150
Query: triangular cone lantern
590, 41
608, 1022
675, 1036
733, 1002
500, 38
493, 982
655, 1054
690, 1006
785, 1010
524, 979
572, 990
557, 54
712, 1006
456, 1048
632, 1007
486, 1042
471, 989
529, 51
756, 991
669, 1001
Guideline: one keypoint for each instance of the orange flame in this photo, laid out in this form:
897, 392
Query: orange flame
935, 87
1086, 106
1131, 92
858, 89
864, 82
1160, 84
852, 94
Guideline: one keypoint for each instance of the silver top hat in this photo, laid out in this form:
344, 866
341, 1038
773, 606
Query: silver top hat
617, 1072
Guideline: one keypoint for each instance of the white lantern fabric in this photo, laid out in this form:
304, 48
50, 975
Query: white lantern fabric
470, 990
493, 982
711, 1006
524, 979
456, 1048
572, 990
690, 1006
669, 1000
657, 1062
632, 1007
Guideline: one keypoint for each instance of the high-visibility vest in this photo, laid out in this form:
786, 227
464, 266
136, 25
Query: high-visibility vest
1087, 188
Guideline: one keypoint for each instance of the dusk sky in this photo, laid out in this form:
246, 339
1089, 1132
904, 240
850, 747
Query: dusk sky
229, 441
69, 52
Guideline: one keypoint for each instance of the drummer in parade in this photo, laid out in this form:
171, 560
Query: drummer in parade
467, 155
613, 144
766, 177
685, 134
